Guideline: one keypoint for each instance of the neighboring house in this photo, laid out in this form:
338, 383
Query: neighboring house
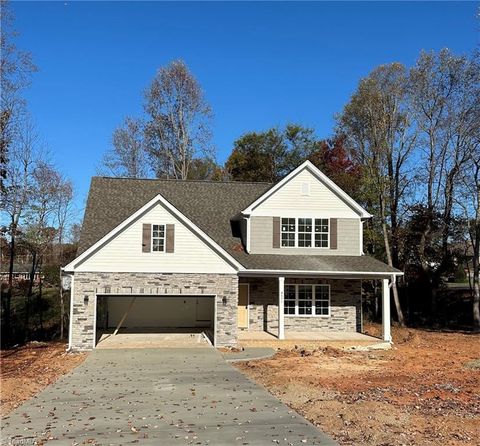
226, 256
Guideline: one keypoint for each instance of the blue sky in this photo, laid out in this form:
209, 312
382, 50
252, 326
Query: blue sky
260, 64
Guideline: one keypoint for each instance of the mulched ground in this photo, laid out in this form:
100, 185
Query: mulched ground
27, 370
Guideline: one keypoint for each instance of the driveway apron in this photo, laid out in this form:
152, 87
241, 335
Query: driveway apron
157, 397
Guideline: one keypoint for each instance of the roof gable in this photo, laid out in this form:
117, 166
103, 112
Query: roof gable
335, 198
121, 249
208, 205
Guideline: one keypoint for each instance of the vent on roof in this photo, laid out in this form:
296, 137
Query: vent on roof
305, 188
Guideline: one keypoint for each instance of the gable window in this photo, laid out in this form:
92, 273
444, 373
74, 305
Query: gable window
288, 232
307, 300
305, 232
158, 238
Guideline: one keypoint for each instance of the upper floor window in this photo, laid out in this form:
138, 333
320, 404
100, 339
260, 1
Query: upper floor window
321, 233
158, 238
305, 232
288, 232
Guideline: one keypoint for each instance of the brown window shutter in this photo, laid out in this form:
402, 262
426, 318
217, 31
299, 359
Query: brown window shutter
276, 232
170, 239
147, 237
333, 233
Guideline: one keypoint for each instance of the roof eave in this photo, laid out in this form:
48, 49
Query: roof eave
338, 274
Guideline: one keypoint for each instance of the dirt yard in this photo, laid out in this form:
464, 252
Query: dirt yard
425, 391
27, 370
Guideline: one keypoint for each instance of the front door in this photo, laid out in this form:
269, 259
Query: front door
242, 313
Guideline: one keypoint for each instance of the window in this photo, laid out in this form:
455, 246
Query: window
289, 299
158, 238
307, 300
305, 232
288, 232
321, 233
322, 300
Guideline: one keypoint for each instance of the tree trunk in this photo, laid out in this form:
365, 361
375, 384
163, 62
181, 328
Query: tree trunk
39, 301
476, 295
7, 301
401, 319
29, 296
62, 307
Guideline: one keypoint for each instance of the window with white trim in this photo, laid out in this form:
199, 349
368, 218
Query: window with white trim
321, 233
305, 232
288, 232
289, 299
158, 238
307, 300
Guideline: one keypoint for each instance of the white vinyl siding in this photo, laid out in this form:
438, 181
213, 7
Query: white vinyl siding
124, 253
348, 239
321, 200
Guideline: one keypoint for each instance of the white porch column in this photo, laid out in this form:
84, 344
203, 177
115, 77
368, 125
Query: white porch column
281, 298
387, 336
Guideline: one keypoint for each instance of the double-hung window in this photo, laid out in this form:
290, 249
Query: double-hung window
288, 232
321, 233
305, 232
158, 238
290, 299
307, 300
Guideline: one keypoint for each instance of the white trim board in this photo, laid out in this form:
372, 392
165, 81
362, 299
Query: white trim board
339, 274
321, 177
157, 199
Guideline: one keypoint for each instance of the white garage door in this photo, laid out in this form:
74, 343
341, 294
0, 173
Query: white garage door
161, 311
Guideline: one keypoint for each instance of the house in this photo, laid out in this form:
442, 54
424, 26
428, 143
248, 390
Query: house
223, 257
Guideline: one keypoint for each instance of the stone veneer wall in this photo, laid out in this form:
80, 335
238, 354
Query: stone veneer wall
345, 306
90, 284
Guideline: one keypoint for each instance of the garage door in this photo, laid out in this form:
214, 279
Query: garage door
161, 311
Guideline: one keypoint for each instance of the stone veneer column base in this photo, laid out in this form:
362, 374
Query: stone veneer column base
88, 285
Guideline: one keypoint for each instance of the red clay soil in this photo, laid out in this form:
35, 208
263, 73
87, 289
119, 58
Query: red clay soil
27, 370
425, 391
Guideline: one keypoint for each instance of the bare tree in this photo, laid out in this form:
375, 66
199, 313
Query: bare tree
378, 128
468, 200
127, 157
15, 69
178, 128
50, 191
445, 98
16, 198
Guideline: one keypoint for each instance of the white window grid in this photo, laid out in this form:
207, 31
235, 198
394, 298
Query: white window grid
307, 300
305, 232
158, 238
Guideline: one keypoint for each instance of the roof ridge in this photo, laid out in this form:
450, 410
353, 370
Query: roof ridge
176, 180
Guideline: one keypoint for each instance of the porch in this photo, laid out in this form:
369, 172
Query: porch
321, 308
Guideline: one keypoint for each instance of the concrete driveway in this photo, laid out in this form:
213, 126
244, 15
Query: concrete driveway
157, 397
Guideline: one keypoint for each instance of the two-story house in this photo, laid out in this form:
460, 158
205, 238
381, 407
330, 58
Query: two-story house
222, 257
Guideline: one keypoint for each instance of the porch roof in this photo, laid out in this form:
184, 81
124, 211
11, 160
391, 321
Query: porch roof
354, 266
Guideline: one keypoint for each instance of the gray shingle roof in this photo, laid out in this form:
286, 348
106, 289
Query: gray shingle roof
209, 205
